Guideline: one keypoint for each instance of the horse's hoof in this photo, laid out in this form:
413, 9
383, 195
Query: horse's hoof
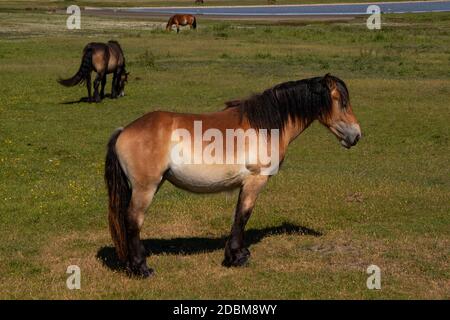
239, 259
146, 273
140, 271
142, 274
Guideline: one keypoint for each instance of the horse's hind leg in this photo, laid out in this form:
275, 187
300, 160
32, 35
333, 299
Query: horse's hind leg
140, 201
235, 252
97, 81
88, 86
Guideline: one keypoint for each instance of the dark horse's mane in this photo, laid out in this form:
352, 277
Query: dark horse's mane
303, 100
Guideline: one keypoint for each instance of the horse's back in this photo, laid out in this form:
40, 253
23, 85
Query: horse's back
96, 46
167, 120
184, 19
154, 129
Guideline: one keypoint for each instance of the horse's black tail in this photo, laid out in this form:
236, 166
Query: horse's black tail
83, 71
119, 192
194, 24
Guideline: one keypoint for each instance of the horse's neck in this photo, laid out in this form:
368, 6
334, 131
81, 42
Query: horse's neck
293, 129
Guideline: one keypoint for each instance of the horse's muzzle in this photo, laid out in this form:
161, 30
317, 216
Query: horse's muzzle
348, 144
350, 135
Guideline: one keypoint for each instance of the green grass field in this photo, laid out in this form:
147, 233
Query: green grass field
327, 215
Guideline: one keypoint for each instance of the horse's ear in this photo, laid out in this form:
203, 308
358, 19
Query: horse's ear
329, 81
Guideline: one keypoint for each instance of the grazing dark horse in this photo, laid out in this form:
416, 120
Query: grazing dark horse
103, 58
141, 156
181, 20
198, 1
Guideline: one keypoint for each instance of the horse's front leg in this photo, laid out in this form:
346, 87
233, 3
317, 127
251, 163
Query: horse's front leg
102, 90
236, 254
115, 85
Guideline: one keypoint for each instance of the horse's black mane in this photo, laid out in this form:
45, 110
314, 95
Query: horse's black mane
303, 100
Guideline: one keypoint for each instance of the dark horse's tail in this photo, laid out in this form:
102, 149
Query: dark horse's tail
194, 23
119, 193
83, 71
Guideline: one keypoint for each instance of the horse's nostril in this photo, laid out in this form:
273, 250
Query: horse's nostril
358, 136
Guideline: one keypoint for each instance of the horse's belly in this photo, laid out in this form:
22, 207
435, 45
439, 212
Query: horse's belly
206, 178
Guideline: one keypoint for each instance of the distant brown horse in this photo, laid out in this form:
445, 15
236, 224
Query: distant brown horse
140, 157
103, 58
181, 20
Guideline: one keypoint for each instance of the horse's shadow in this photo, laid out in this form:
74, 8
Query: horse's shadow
84, 100
194, 245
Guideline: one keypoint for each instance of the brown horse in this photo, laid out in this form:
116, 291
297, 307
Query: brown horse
144, 154
181, 20
103, 58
